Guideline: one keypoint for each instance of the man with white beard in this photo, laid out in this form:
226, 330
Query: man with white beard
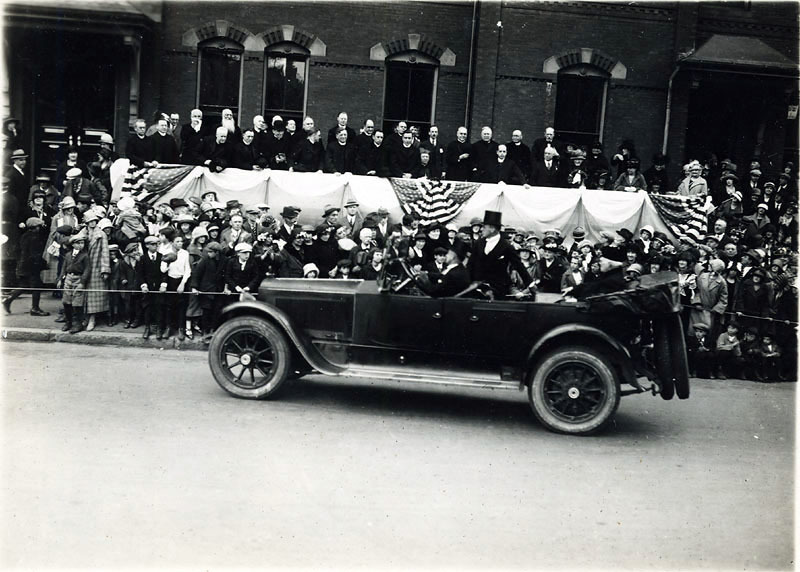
230, 124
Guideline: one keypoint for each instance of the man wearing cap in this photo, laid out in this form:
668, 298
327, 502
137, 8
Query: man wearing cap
18, 184
30, 264
252, 223
234, 235
288, 221
151, 279
351, 218
241, 271
74, 277
492, 256
546, 172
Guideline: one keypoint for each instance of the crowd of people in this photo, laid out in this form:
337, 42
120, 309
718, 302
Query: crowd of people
170, 268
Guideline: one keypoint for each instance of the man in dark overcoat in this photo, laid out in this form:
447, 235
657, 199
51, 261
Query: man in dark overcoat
492, 255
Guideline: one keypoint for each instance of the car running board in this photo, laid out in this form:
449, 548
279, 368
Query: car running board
431, 377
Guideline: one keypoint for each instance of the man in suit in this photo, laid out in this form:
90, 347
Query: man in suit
483, 155
164, 148
404, 160
503, 170
277, 148
452, 279
139, 149
351, 218
519, 153
492, 255
234, 235
365, 137
289, 216
217, 151
245, 155
458, 157
549, 140
433, 145
340, 154
192, 135
547, 172
151, 281
371, 158
18, 184
341, 124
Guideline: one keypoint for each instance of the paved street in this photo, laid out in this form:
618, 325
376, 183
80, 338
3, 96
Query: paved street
134, 457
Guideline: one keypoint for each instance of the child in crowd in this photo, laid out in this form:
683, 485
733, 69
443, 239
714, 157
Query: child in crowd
729, 351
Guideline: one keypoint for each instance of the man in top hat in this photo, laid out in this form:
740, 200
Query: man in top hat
18, 179
492, 255
289, 220
351, 218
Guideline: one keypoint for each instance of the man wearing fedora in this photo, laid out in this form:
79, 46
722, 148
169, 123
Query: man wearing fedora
289, 220
351, 218
492, 255
30, 263
18, 179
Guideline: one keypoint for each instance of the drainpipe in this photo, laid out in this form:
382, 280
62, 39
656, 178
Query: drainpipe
471, 70
669, 108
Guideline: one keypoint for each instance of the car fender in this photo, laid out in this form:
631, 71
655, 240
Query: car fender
573, 331
282, 320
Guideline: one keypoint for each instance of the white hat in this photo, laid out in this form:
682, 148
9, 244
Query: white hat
309, 268
126, 203
74, 172
762, 206
106, 138
104, 223
243, 247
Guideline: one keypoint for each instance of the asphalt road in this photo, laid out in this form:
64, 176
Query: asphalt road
135, 458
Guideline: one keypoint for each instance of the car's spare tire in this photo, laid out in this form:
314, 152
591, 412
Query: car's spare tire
574, 390
249, 357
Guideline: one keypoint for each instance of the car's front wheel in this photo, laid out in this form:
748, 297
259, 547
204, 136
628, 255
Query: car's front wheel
249, 357
574, 390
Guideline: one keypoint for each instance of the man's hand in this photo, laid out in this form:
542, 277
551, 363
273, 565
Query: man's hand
180, 288
195, 291
145, 289
163, 288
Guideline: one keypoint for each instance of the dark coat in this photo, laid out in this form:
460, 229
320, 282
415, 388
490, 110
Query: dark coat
219, 154
273, 149
521, 155
549, 277
403, 160
340, 158
250, 277
508, 172
138, 150
307, 157
371, 158
192, 144
437, 155
324, 254
207, 275
493, 267
541, 176
31, 249
458, 170
449, 284
149, 272
483, 153
291, 261
165, 150
245, 156
18, 185
351, 134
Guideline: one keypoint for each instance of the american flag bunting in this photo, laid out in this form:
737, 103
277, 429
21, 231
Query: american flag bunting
433, 201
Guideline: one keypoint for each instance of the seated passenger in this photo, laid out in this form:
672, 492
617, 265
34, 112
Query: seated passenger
453, 279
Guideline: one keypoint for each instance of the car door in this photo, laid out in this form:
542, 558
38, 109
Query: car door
399, 321
485, 328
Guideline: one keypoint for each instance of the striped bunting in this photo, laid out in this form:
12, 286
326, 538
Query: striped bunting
685, 216
147, 184
433, 201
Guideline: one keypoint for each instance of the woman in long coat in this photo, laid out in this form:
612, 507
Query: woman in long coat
55, 254
97, 298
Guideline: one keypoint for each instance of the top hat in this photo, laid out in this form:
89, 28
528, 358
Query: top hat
493, 218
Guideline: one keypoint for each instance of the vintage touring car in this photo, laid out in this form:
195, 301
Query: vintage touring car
576, 359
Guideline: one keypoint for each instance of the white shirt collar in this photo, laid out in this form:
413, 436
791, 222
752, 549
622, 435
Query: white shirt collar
491, 242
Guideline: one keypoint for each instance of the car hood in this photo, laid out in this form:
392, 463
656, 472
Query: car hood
305, 285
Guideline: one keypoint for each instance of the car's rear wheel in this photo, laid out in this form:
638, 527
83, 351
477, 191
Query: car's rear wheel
574, 390
249, 357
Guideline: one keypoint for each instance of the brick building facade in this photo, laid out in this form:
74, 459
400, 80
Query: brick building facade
665, 74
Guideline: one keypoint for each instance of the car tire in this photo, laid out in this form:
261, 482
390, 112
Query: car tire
249, 357
574, 390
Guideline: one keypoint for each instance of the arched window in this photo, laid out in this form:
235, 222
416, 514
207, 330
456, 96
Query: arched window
410, 90
580, 103
286, 81
219, 82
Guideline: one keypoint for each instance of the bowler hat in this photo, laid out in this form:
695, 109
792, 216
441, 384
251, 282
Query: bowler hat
493, 218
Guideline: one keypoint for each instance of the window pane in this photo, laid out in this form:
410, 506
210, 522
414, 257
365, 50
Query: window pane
219, 78
579, 102
295, 84
276, 70
396, 98
286, 86
420, 97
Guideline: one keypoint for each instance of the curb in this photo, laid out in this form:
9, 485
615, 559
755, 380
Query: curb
98, 339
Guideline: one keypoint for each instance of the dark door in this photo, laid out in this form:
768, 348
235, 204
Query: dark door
399, 321
477, 327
